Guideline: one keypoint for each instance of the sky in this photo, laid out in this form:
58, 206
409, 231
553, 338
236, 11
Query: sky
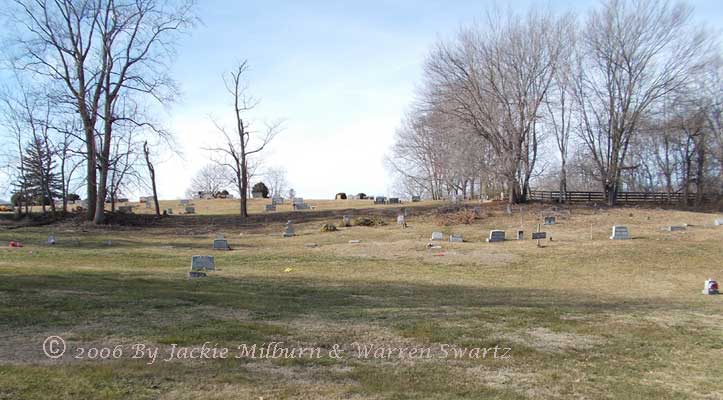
340, 74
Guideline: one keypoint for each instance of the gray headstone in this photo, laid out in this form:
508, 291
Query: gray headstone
416, 199
401, 220
520, 235
51, 239
169, 211
456, 238
148, 204
550, 221
393, 200
289, 230
202, 263
437, 236
301, 206
190, 210
270, 207
380, 200
620, 233
496, 236
346, 220
185, 202
220, 244
276, 200
539, 235
676, 228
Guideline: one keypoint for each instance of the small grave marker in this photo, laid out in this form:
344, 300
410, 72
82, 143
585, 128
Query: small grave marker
401, 220
437, 236
620, 233
202, 263
346, 220
270, 208
539, 235
380, 200
169, 211
456, 238
190, 210
355, 241
676, 228
416, 199
220, 244
718, 222
520, 235
393, 200
496, 236
51, 239
550, 221
710, 287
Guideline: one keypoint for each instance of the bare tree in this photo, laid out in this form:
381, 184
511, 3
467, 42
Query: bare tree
152, 174
632, 53
211, 178
276, 178
237, 150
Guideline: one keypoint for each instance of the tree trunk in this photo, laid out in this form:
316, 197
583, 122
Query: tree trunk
152, 173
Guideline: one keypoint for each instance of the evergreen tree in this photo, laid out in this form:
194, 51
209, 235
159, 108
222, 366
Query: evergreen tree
40, 183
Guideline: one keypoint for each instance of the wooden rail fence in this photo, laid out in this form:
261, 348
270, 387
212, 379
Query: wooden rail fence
623, 197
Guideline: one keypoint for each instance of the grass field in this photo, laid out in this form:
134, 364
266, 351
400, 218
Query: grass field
585, 317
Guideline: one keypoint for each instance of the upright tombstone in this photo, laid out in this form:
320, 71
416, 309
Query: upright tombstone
202, 263
346, 220
380, 200
184, 202
393, 200
456, 238
51, 239
550, 221
718, 222
169, 211
190, 210
520, 235
220, 244
620, 233
289, 230
437, 236
496, 236
277, 200
148, 204
416, 199
402, 220
270, 208
710, 287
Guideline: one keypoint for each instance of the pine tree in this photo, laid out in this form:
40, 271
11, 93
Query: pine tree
40, 183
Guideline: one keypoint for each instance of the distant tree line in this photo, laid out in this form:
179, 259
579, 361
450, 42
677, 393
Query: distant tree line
628, 96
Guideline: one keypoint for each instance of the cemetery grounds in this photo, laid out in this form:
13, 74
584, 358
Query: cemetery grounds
585, 318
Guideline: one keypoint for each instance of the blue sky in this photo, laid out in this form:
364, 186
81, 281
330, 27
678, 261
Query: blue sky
340, 73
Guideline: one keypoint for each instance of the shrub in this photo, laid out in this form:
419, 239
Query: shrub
465, 216
369, 221
328, 228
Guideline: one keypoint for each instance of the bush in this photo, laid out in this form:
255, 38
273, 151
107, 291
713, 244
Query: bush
465, 216
340, 196
368, 221
73, 197
328, 228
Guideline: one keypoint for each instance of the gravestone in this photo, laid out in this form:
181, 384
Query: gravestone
346, 220
51, 239
393, 200
355, 241
710, 287
185, 202
270, 207
220, 244
550, 221
416, 199
276, 200
620, 233
401, 220
202, 263
456, 238
301, 206
297, 200
718, 222
496, 236
676, 228
380, 200
196, 274
190, 210
539, 235
125, 209
148, 204
169, 211
257, 195
520, 235
289, 230
437, 236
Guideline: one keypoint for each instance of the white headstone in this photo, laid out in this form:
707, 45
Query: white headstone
620, 233
202, 263
289, 230
437, 236
520, 235
346, 220
51, 239
496, 236
456, 238
718, 222
710, 287
401, 220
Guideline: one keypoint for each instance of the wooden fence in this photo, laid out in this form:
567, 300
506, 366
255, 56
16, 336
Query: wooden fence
622, 198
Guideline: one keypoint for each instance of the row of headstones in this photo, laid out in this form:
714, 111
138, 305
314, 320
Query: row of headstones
495, 236
384, 200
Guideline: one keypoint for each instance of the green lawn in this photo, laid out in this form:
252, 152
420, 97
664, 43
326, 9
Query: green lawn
583, 318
